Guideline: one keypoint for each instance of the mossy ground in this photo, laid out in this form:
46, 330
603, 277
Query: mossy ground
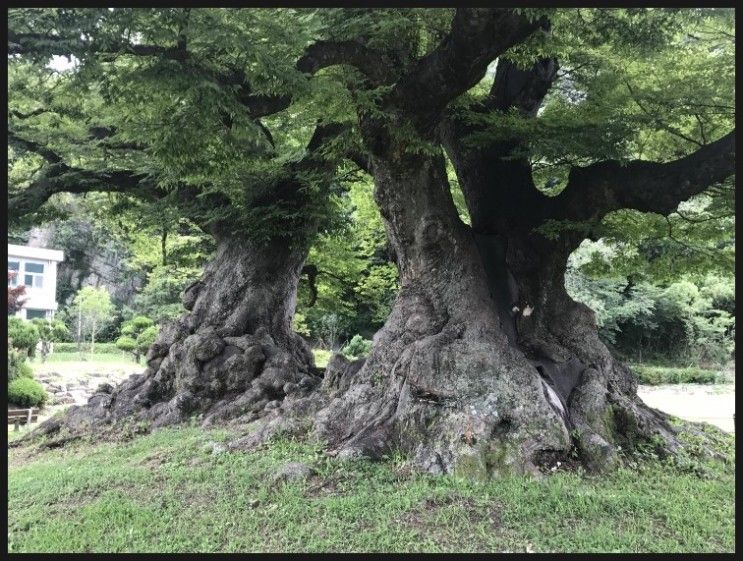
167, 492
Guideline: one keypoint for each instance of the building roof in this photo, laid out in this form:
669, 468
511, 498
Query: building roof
35, 252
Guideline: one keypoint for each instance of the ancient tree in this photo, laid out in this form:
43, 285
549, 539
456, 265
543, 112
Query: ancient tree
485, 363
233, 352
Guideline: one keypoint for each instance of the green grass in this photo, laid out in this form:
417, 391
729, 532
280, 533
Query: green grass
73, 364
166, 492
656, 375
87, 357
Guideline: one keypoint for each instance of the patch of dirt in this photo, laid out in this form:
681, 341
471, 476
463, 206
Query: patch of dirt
319, 487
714, 404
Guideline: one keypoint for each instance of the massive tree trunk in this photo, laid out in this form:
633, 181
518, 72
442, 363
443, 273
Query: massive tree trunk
442, 382
232, 354
486, 364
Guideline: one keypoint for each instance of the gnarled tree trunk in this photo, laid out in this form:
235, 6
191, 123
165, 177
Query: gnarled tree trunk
443, 382
232, 354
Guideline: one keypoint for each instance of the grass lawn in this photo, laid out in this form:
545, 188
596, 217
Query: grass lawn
654, 375
76, 363
167, 492
87, 357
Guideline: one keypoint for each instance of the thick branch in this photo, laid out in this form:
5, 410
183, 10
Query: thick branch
373, 64
496, 181
61, 178
31, 146
478, 36
521, 89
595, 190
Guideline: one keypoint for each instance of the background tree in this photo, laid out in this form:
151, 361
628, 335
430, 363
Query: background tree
50, 331
93, 308
16, 295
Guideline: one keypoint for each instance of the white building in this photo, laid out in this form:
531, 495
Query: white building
36, 269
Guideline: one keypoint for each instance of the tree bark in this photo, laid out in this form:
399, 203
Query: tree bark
233, 354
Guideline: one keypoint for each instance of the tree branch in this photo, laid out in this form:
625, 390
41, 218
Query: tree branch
61, 178
524, 90
373, 64
595, 190
31, 146
477, 36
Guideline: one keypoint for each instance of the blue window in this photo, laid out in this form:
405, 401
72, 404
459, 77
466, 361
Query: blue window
33, 314
34, 274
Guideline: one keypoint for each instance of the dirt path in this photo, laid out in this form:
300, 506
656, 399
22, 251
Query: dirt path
713, 404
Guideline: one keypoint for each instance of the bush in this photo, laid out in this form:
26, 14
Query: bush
23, 334
357, 347
100, 348
25, 370
25, 392
17, 365
126, 343
656, 375
147, 337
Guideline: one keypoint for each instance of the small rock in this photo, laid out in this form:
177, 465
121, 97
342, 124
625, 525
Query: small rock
307, 382
275, 404
290, 387
293, 471
104, 388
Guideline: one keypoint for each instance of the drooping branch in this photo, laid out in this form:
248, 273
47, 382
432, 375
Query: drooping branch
61, 178
30, 146
595, 190
21, 115
317, 56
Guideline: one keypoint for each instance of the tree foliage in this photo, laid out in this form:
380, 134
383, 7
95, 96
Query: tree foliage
182, 131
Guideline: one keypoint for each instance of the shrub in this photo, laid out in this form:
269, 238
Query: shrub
357, 347
126, 343
146, 338
17, 365
23, 334
25, 370
26, 392
140, 323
